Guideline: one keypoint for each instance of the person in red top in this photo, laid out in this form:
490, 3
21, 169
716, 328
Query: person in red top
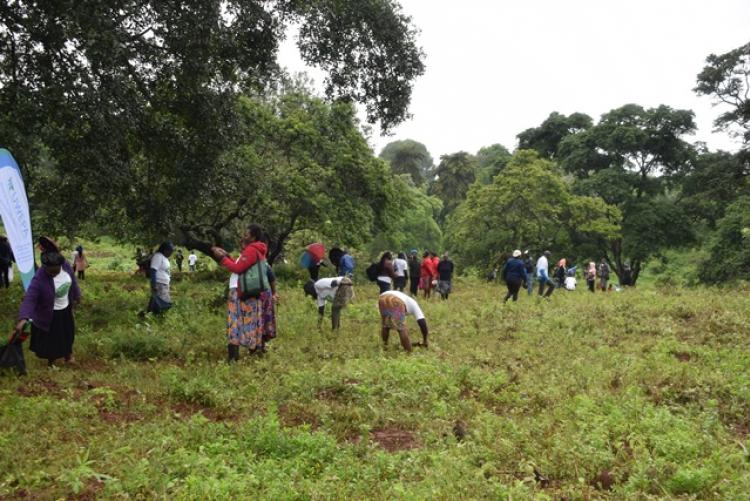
427, 273
249, 322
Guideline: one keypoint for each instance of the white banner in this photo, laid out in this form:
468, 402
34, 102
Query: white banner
14, 209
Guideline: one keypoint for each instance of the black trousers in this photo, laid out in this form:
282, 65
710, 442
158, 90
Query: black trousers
513, 287
4, 275
384, 286
414, 285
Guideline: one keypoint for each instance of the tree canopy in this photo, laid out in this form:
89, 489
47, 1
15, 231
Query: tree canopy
409, 157
453, 177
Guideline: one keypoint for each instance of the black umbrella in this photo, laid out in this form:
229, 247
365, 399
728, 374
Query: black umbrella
11, 355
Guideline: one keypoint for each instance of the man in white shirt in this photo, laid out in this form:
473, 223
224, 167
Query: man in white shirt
400, 267
542, 269
394, 306
192, 260
338, 290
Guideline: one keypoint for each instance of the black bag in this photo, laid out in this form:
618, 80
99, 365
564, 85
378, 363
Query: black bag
11, 356
372, 272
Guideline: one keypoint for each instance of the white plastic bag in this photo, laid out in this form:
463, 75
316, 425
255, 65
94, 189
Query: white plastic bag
10, 273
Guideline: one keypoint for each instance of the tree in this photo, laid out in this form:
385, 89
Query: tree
630, 159
729, 249
453, 177
528, 205
726, 77
546, 138
409, 157
143, 93
491, 160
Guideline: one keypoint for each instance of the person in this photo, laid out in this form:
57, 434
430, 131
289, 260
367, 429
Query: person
528, 263
249, 322
394, 306
400, 267
141, 261
603, 274
542, 268
339, 290
48, 304
6, 261
445, 276
386, 273
492, 275
414, 266
514, 274
179, 258
192, 260
345, 267
591, 276
80, 263
560, 272
627, 276
160, 277
570, 280
427, 272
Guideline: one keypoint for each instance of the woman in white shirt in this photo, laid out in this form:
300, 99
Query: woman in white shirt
400, 267
394, 306
339, 290
161, 299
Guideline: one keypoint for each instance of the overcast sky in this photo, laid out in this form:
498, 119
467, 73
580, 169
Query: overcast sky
495, 68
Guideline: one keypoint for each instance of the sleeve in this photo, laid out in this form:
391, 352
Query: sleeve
28, 305
248, 258
414, 309
75, 292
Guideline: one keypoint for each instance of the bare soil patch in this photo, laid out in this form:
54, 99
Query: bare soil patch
394, 439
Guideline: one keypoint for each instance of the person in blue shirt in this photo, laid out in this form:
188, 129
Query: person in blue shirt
542, 274
514, 274
346, 265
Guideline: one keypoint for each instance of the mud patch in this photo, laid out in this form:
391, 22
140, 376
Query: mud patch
394, 439
293, 415
682, 356
186, 410
40, 387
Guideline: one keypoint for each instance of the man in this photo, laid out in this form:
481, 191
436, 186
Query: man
192, 260
528, 263
414, 265
400, 267
514, 274
178, 257
542, 274
445, 276
603, 274
339, 290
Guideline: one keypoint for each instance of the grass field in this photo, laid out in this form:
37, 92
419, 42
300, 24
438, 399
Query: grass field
641, 394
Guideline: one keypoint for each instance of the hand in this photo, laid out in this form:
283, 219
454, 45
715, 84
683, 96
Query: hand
20, 325
218, 252
276, 298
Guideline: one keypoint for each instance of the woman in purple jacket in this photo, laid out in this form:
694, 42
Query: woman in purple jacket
48, 304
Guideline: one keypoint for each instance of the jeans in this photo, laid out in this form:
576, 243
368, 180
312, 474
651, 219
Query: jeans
530, 284
550, 286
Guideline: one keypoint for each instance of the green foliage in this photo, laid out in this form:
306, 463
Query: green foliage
546, 138
409, 157
453, 177
729, 247
491, 160
528, 205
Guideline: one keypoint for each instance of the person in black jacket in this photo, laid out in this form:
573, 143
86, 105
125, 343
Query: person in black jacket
514, 274
529, 265
6, 261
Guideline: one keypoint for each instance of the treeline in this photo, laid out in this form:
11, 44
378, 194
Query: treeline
627, 187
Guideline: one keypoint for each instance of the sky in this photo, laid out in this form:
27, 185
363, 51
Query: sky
496, 68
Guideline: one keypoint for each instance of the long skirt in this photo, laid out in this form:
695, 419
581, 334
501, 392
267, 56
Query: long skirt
250, 322
58, 341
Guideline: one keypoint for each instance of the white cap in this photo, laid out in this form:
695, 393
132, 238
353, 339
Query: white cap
516, 253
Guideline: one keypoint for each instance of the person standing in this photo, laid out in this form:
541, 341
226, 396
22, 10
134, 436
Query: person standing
414, 265
247, 321
445, 276
394, 306
561, 272
603, 274
528, 263
386, 274
161, 278
427, 271
514, 274
179, 258
591, 276
6, 261
400, 267
48, 305
192, 260
345, 267
80, 263
627, 276
542, 270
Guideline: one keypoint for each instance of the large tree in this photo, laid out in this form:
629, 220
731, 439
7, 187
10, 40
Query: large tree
490, 161
111, 104
546, 138
409, 157
631, 158
726, 77
453, 177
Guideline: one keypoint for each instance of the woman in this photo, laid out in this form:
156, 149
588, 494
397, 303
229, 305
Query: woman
393, 307
251, 321
386, 274
591, 276
340, 290
560, 273
48, 304
80, 263
400, 269
161, 278
514, 274
426, 273
414, 267
445, 276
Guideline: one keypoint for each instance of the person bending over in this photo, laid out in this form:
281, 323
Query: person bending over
394, 306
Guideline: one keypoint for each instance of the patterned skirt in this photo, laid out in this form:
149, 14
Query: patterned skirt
250, 322
392, 312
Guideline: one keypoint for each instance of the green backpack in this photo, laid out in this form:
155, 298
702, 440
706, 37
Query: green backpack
254, 280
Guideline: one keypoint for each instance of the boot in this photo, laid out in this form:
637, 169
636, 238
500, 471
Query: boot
233, 353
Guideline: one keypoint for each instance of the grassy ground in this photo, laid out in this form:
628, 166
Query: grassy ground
641, 394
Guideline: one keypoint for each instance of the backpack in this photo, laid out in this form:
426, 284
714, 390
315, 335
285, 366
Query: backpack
254, 280
372, 272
